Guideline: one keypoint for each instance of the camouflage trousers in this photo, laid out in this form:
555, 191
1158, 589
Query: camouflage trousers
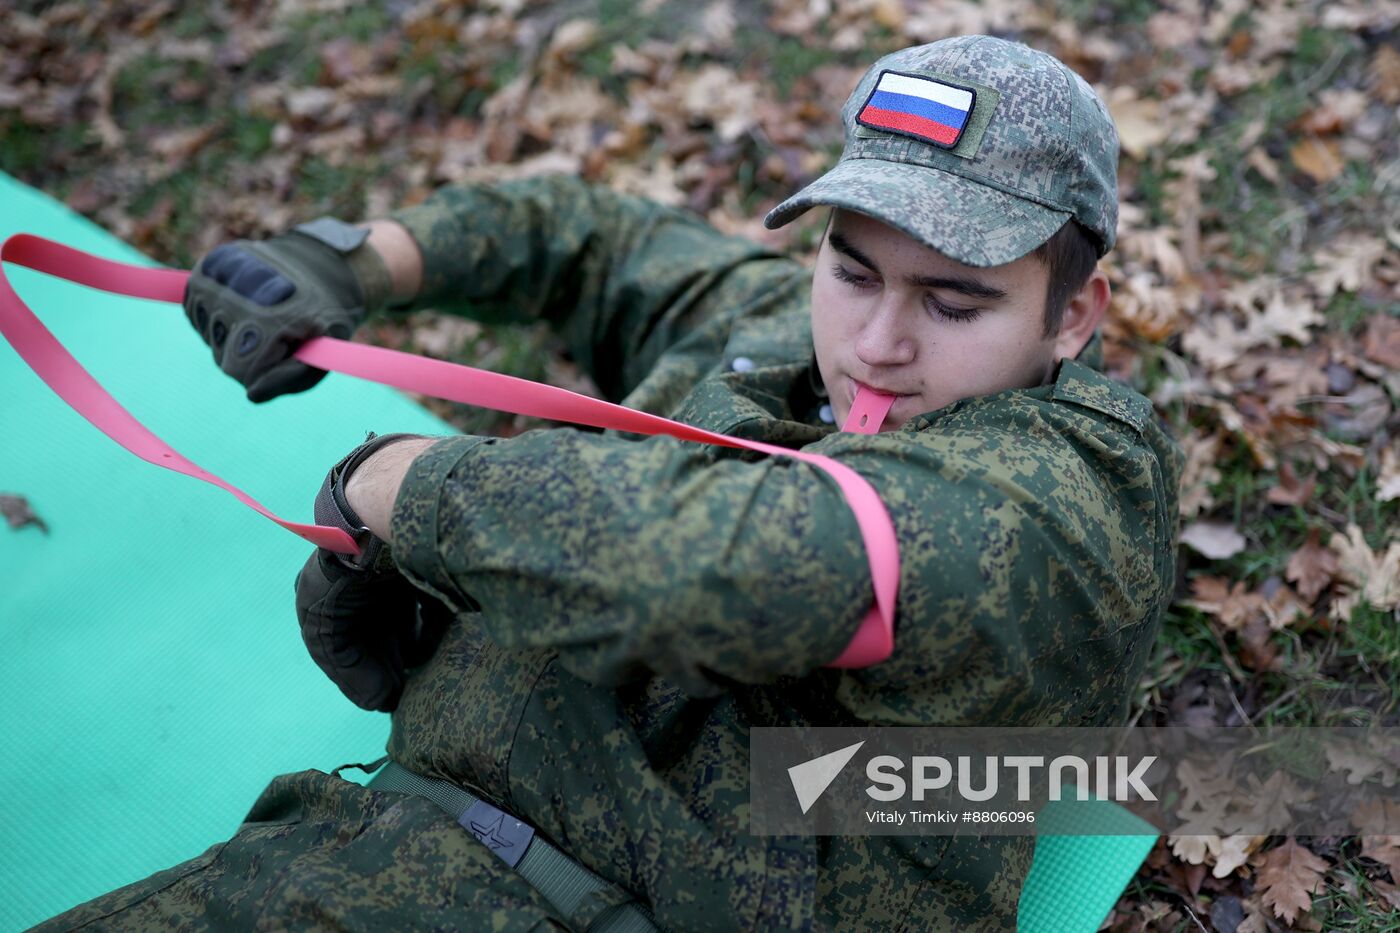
317, 852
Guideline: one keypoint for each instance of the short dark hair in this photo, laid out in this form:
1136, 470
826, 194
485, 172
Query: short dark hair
1070, 254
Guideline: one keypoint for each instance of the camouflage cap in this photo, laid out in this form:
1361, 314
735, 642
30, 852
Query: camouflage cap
977, 147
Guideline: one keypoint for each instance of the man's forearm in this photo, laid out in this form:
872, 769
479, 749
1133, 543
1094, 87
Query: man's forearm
373, 487
401, 256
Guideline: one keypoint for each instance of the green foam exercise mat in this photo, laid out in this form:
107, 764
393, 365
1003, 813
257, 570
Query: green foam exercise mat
1086, 854
153, 678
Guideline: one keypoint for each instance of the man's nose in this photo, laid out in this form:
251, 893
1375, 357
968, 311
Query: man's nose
884, 339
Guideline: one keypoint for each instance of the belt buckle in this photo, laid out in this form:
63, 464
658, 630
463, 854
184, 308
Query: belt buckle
502, 833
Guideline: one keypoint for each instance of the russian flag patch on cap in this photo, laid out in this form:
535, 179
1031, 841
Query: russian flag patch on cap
924, 108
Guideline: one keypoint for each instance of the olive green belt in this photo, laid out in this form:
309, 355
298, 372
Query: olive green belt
563, 882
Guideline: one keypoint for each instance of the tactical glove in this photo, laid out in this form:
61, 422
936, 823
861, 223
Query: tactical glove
362, 622
255, 302
365, 629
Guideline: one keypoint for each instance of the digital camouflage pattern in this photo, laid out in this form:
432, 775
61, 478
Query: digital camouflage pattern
320, 853
1039, 148
644, 602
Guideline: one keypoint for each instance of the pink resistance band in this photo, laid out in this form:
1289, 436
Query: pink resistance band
873, 642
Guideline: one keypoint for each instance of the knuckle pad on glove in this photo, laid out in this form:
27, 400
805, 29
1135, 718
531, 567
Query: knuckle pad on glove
220, 262
274, 290
250, 277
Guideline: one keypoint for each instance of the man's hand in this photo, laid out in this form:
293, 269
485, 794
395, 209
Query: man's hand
365, 629
255, 302
360, 619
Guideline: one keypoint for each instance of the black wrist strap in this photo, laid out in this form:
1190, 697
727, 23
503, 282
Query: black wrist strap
333, 509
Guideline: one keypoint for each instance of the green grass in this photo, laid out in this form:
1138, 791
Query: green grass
1360, 910
1260, 218
250, 136
28, 150
363, 22
141, 93
1125, 12
338, 190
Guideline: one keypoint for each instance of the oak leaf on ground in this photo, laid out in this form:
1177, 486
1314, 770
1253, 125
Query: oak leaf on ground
1312, 567
1371, 577
1287, 878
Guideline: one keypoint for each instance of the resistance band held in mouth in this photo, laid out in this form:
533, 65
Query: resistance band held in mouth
873, 641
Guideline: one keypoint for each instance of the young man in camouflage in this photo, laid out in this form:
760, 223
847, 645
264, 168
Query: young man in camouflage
623, 610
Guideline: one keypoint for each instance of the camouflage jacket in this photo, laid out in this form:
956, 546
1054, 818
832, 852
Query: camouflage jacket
629, 608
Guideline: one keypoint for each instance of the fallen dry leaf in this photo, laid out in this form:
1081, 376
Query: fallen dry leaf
1216, 540
1216, 342
1376, 815
1312, 567
1282, 606
1388, 481
1256, 916
1256, 649
1382, 341
1358, 762
1264, 164
1290, 490
1139, 120
309, 103
1347, 264
1199, 473
890, 14
1357, 415
1384, 79
1171, 29
1282, 316
1389, 893
176, 146
1287, 877
1272, 802
1319, 159
1336, 110
1371, 577
1232, 605
1203, 785
1384, 849
18, 513
573, 37
1194, 849
1234, 853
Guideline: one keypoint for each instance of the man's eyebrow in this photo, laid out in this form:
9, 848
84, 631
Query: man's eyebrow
965, 286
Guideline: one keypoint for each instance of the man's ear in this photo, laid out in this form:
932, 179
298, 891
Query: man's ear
1082, 315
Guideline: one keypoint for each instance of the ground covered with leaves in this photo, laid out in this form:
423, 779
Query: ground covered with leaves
1257, 276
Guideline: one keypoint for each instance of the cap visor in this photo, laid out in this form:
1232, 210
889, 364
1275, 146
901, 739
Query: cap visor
971, 223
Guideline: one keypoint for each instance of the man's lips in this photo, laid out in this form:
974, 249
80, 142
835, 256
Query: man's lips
856, 385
